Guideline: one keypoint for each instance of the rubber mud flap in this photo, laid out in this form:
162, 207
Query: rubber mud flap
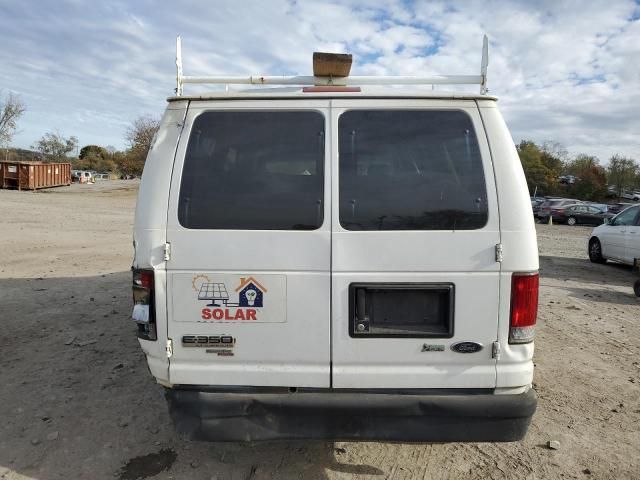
330, 415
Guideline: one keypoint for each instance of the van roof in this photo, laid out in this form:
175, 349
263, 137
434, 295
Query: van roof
297, 92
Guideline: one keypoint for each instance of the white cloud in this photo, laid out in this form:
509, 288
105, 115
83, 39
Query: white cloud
566, 71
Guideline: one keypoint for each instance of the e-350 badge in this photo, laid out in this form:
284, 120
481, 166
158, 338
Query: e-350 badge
222, 345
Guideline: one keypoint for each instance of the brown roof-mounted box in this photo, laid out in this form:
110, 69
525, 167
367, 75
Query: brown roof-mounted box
331, 64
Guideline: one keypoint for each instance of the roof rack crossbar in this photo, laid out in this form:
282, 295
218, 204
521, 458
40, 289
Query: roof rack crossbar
337, 81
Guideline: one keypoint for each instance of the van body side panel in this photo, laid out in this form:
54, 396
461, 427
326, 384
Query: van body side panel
520, 249
266, 292
149, 235
462, 260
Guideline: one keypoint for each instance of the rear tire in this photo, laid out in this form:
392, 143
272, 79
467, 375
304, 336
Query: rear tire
595, 251
571, 221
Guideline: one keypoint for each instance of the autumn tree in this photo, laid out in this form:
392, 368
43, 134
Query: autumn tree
622, 173
54, 147
11, 109
139, 136
580, 163
591, 177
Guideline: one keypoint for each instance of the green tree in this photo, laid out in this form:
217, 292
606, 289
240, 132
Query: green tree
541, 167
89, 151
54, 147
94, 157
622, 172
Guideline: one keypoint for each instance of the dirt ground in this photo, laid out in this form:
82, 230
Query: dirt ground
77, 401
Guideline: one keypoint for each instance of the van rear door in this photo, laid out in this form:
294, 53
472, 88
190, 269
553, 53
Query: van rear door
248, 278
415, 281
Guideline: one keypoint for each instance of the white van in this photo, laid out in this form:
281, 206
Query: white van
331, 262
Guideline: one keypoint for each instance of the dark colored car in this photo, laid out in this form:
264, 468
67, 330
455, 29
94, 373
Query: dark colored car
578, 214
542, 211
536, 202
618, 207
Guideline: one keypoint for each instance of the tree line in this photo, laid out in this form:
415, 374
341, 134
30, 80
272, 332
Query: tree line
547, 167
54, 147
550, 171
139, 136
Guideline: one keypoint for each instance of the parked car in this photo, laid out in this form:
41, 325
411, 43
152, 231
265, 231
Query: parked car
544, 210
536, 201
578, 214
539, 204
631, 195
82, 176
616, 208
603, 207
567, 179
617, 240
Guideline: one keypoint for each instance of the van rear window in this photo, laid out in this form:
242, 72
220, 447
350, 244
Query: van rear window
254, 171
410, 170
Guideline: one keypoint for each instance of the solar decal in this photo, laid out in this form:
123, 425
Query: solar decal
213, 291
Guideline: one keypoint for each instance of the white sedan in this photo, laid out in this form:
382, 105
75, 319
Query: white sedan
618, 240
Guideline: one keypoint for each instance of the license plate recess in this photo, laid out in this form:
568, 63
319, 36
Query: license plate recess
414, 310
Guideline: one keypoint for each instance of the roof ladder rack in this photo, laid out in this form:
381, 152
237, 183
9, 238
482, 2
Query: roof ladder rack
336, 81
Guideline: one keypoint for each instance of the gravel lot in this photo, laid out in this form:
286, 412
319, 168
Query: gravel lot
77, 400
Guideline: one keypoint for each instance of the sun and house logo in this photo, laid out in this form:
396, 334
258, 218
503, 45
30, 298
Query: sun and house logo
221, 306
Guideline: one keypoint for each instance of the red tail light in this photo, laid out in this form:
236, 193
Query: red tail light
524, 307
143, 278
143, 305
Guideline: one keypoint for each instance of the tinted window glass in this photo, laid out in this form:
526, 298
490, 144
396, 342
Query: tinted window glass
254, 171
410, 170
627, 217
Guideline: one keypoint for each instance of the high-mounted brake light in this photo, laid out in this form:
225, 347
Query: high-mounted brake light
330, 89
143, 305
524, 307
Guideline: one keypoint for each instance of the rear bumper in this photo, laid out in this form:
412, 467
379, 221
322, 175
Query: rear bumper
245, 415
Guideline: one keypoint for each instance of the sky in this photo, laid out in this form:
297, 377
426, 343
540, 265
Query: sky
564, 71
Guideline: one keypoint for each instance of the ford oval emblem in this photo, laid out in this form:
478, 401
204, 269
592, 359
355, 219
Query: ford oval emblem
466, 347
